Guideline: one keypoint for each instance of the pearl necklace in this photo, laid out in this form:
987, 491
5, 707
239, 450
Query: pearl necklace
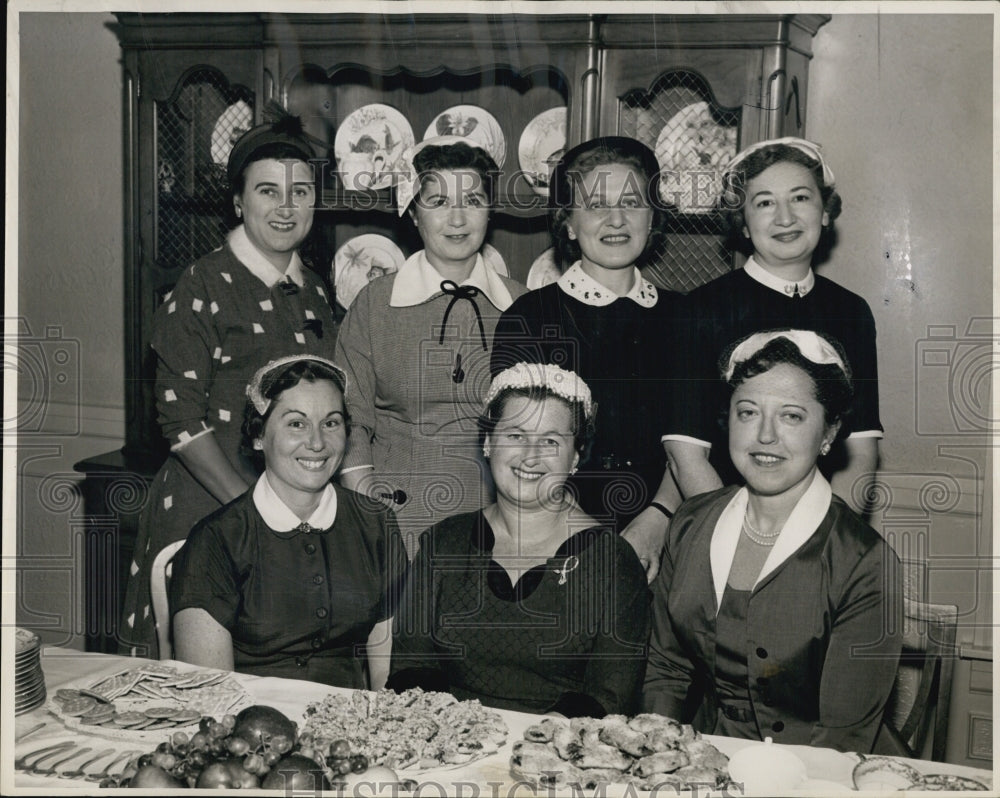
756, 535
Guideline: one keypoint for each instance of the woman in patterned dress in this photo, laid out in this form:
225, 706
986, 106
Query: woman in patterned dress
416, 346
248, 302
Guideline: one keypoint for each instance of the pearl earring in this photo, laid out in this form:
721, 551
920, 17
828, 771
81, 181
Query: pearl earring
824, 449
257, 445
486, 450
239, 212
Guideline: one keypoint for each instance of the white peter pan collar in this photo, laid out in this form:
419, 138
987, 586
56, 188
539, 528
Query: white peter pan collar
804, 520
280, 518
259, 266
580, 285
417, 281
757, 272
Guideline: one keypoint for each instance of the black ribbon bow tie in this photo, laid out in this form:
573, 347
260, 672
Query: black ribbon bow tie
457, 292
289, 287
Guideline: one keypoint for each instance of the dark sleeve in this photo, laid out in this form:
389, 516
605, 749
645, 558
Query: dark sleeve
864, 366
513, 338
395, 565
670, 675
862, 655
694, 404
205, 575
614, 672
413, 622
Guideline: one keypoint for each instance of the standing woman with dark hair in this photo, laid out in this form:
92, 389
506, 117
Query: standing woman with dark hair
416, 345
248, 302
611, 326
780, 201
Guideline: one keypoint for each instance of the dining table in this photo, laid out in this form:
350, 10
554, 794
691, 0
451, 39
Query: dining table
490, 777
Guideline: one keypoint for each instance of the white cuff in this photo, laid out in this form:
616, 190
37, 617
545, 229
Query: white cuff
184, 439
686, 439
356, 468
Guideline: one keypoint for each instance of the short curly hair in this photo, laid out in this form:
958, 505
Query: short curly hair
435, 157
832, 386
582, 160
734, 192
273, 386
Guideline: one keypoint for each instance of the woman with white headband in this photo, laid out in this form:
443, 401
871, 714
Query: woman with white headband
529, 603
298, 577
416, 345
780, 202
777, 611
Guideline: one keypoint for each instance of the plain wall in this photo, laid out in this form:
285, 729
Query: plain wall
70, 278
903, 106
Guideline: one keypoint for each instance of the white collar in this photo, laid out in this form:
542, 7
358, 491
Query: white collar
417, 281
280, 518
259, 266
580, 285
757, 272
804, 520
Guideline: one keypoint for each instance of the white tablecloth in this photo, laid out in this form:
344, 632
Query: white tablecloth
487, 778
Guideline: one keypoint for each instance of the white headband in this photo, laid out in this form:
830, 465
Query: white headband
260, 402
562, 383
408, 182
810, 148
810, 345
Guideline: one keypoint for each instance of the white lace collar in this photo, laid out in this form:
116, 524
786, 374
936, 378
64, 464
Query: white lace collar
580, 285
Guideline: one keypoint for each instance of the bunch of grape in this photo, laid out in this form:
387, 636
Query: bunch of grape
212, 757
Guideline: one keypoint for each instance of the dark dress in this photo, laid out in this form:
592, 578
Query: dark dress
623, 352
735, 305
570, 636
215, 329
299, 605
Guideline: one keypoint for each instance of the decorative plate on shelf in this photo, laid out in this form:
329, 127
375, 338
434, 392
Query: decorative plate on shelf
542, 144
495, 260
695, 149
369, 145
361, 260
544, 270
232, 123
474, 123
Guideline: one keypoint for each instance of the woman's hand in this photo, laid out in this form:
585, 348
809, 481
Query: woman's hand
647, 533
202, 640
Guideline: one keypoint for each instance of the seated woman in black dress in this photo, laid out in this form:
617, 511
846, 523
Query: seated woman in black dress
527, 604
777, 611
297, 577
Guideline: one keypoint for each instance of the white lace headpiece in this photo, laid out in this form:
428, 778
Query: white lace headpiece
261, 402
562, 383
812, 347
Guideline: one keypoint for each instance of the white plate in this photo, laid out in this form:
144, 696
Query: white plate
369, 146
361, 260
697, 148
232, 123
474, 123
544, 270
495, 260
542, 144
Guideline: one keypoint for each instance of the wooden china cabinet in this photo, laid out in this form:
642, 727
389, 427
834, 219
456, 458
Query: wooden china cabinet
692, 87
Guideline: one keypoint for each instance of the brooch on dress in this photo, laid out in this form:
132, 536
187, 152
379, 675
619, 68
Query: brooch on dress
569, 564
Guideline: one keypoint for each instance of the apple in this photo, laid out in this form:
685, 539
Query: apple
295, 772
226, 775
156, 777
